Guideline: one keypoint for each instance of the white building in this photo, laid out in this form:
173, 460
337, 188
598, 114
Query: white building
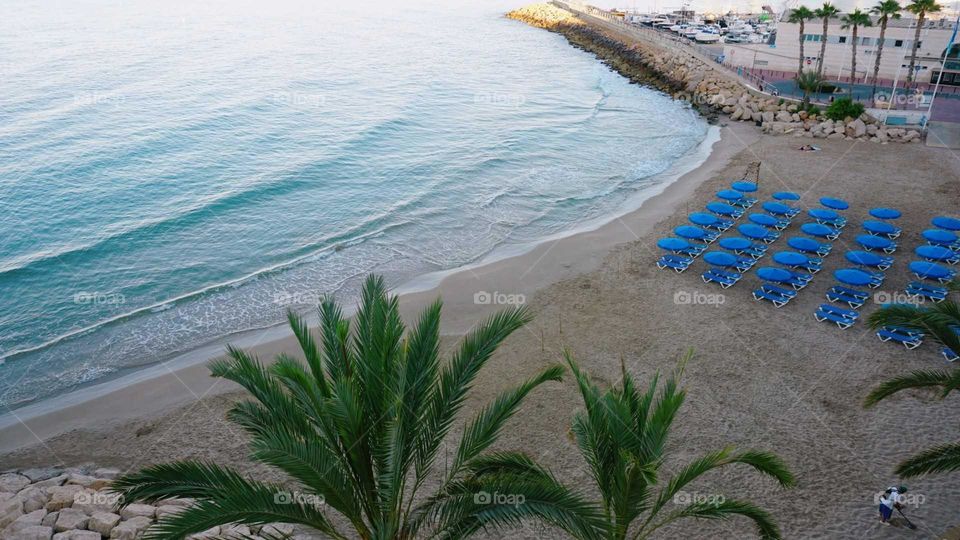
898, 44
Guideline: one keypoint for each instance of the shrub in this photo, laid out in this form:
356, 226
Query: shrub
844, 107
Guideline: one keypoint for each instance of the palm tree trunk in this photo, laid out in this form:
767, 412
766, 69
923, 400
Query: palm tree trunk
853, 61
876, 63
823, 47
800, 67
916, 45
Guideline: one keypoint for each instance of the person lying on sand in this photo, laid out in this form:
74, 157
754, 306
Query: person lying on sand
889, 500
809, 148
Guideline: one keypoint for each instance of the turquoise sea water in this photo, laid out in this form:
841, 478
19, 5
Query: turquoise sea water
172, 171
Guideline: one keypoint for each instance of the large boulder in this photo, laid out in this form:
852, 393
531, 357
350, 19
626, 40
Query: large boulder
62, 496
131, 528
103, 522
138, 510
10, 510
69, 519
33, 498
13, 482
34, 532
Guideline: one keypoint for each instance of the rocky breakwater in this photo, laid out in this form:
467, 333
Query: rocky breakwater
76, 504
672, 68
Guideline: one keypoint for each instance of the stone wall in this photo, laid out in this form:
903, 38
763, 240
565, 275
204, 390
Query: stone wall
673, 69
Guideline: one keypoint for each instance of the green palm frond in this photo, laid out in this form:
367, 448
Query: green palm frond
622, 434
356, 426
945, 380
722, 509
940, 321
486, 426
940, 459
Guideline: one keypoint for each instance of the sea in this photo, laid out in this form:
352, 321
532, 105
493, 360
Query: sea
175, 171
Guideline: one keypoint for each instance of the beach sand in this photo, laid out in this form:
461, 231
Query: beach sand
763, 378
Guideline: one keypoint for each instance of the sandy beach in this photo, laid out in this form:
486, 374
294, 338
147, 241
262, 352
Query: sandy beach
761, 378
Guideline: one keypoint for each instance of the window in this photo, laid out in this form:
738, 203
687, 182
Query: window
898, 43
843, 39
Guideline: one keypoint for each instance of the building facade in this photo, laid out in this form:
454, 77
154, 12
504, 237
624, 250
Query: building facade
894, 61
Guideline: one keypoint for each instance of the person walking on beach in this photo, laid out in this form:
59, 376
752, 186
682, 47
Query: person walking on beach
889, 500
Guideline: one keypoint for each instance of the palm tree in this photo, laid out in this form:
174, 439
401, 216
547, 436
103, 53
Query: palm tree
854, 20
809, 82
920, 8
886, 9
825, 11
800, 16
358, 429
942, 323
622, 435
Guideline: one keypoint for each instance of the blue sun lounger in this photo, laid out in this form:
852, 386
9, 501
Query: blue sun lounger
842, 317
778, 296
724, 278
949, 355
798, 280
876, 278
930, 292
675, 262
745, 263
846, 295
911, 339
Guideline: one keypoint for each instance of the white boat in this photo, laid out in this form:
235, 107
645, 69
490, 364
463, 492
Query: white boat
707, 36
692, 31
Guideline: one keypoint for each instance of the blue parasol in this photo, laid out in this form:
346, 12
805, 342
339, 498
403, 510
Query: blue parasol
802, 243
776, 208
816, 229
744, 186
770, 273
852, 276
936, 253
722, 208
878, 227
786, 196
790, 258
672, 244
689, 231
822, 213
864, 258
930, 270
729, 195
948, 223
836, 204
940, 236
720, 258
735, 243
703, 218
764, 219
885, 213
870, 241
753, 231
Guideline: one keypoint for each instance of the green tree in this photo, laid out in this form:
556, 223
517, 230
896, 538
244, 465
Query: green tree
854, 20
941, 322
622, 434
359, 427
809, 82
800, 16
920, 8
886, 9
825, 12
